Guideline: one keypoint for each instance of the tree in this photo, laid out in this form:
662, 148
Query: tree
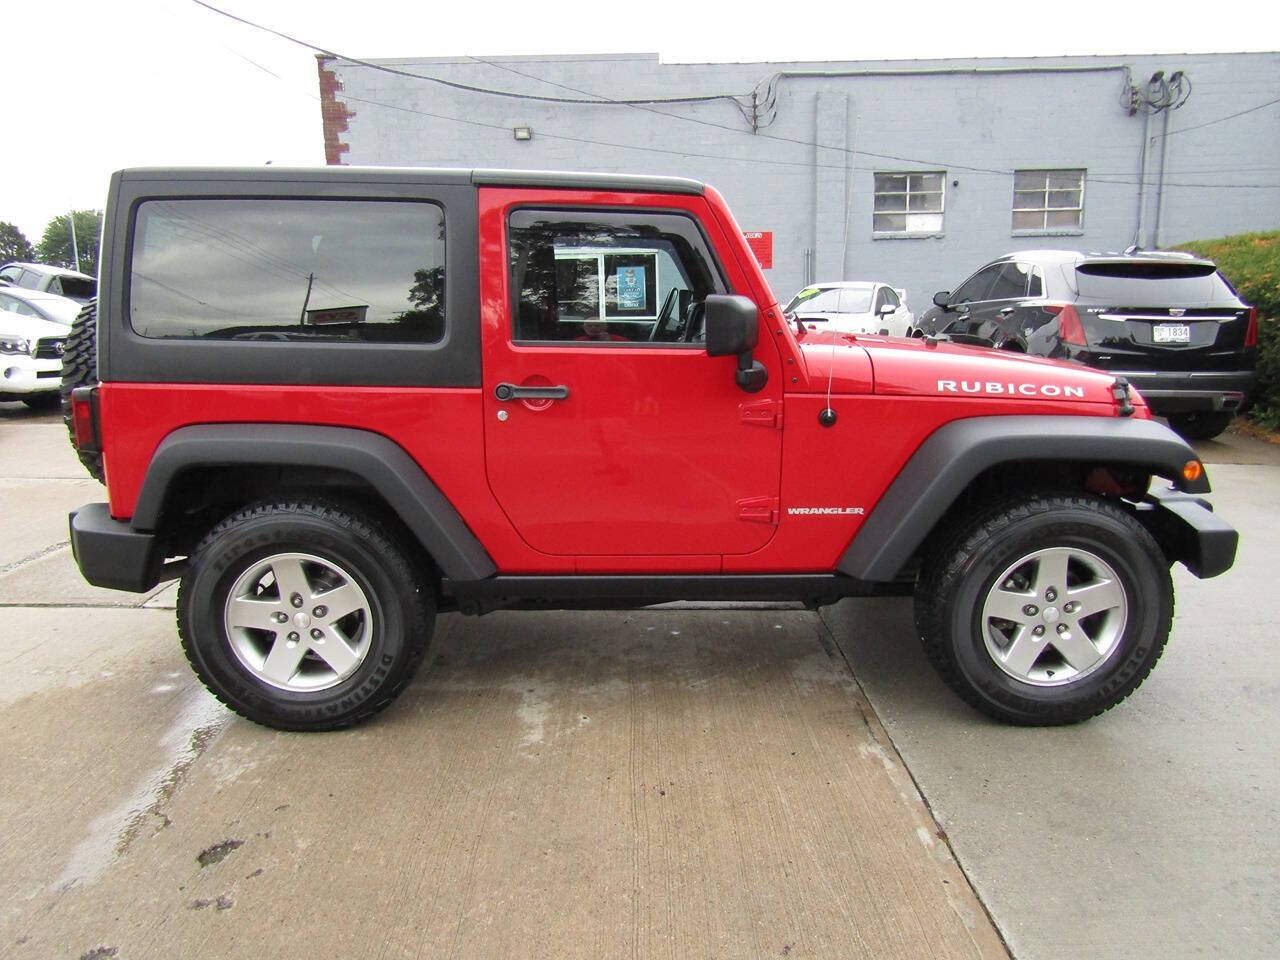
55, 246
13, 244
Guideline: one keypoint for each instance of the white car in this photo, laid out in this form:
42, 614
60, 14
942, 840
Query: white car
853, 306
30, 359
34, 303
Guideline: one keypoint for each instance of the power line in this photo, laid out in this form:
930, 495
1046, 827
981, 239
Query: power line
598, 100
1209, 123
440, 80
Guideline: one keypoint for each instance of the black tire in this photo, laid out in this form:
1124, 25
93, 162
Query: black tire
1200, 424
967, 570
80, 369
395, 630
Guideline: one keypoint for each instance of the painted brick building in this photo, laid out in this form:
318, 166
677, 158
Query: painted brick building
911, 172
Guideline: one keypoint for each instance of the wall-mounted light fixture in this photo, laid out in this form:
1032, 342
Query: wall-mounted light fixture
523, 133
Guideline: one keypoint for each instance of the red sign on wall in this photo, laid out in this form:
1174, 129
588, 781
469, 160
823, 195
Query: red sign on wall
761, 244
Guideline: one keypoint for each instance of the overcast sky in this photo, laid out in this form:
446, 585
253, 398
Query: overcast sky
92, 86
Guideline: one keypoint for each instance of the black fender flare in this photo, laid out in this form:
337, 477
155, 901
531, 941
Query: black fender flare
377, 460
957, 452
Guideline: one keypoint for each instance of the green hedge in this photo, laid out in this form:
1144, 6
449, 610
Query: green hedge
1251, 261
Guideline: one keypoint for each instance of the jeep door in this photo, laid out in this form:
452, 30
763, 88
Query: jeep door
609, 432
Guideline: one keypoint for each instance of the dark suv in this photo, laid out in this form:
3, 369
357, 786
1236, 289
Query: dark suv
1169, 323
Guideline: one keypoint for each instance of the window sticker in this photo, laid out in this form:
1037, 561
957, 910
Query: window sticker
630, 284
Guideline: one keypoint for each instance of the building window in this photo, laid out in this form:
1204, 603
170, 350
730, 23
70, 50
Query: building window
1048, 200
908, 203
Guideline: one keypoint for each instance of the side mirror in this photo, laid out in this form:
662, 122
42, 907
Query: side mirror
942, 299
887, 308
732, 326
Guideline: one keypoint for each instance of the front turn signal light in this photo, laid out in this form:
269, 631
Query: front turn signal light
1192, 471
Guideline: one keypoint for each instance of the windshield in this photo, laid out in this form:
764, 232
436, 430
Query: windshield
1152, 284
831, 300
57, 308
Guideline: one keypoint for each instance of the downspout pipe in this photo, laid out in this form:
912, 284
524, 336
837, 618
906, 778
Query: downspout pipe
1164, 155
1142, 180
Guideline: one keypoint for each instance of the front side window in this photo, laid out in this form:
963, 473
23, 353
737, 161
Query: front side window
975, 288
608, 277
908, 202
1046, 200
1010, 282
289, 270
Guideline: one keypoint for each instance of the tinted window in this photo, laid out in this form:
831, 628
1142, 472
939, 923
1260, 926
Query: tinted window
618, 277
311, 270
1010, 282
890, 297
77, 288
1151, 284
1036, 287
976, 287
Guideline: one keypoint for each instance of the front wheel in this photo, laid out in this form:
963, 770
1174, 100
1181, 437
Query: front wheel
1046, 611
303, 616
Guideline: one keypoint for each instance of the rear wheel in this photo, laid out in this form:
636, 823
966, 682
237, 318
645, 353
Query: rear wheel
303, 615
1046, 611
80, 369
1200, 424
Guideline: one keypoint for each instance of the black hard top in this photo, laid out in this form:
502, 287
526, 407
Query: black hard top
571, 180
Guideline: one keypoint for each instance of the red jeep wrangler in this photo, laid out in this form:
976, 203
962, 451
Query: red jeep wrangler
336, 401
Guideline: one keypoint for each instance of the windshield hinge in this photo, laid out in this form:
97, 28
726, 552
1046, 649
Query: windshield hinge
758, 509
762, 413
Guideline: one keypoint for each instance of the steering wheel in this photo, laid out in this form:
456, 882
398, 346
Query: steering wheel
693, 329
660, 327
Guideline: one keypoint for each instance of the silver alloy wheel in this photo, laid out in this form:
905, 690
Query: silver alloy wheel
298, 622
1055, 616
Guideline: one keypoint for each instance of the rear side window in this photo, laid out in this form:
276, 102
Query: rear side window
289, 270
75, 287
1152, 284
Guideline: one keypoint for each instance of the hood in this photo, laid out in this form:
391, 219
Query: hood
29, 328
917, 368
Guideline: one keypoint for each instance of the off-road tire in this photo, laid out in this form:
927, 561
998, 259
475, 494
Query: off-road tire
80, 369
400, 597
1200, 424
964, 568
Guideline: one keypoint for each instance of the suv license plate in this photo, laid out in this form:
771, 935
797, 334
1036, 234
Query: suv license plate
1171, 333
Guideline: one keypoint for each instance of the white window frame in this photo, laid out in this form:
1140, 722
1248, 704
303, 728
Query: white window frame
1045, 209
598, 254
908, 230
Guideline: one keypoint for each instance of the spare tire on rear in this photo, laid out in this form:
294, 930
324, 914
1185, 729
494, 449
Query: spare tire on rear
80, 369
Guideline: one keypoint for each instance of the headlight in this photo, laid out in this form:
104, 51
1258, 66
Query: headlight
14, 345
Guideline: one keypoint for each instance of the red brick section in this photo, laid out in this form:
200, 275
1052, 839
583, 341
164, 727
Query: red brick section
333, 112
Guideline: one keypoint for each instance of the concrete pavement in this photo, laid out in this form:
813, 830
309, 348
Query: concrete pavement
667, 783
1149, 831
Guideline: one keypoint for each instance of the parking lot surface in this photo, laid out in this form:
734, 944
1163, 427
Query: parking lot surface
664, 783
1148, 831
667, 783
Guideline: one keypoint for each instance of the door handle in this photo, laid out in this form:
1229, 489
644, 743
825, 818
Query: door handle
1005, 312
509, 391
